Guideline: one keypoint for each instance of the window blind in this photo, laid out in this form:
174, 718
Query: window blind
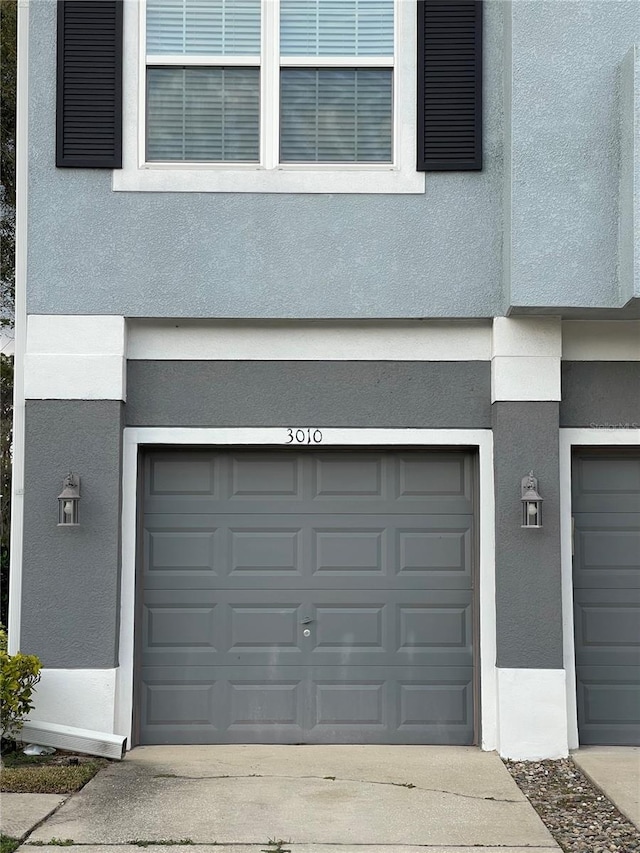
336, 27
336, 115
205, 27
203, 114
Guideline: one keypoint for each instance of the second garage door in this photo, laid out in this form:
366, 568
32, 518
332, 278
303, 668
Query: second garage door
606, 581
306, 598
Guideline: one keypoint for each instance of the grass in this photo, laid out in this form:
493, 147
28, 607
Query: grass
8, 844
47, 774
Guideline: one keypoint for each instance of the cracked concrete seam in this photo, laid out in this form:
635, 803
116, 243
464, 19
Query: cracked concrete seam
408, 785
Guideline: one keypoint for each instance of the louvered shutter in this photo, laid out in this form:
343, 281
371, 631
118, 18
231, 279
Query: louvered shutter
449, 85
89, 96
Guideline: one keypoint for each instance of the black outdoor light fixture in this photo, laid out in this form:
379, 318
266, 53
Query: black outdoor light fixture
531, 502
69, 502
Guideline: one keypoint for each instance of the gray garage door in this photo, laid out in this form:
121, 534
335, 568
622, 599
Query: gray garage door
306, 598
606, 574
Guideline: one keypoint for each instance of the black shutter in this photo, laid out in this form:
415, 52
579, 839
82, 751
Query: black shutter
449, 85
89, 97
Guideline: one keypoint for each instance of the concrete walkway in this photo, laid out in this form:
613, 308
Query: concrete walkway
19, 813
317, 799
616, 771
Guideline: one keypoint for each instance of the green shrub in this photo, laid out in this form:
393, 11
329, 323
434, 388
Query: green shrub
18, 676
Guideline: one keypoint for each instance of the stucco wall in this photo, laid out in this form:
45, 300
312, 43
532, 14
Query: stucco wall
92, 250
71, 578
563, 156
528, 595
354, 394
554, 106
601, 394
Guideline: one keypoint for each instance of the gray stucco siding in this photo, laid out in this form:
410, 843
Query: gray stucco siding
602, 394
260, 256
70, 580
440, 254
563, 117
338, 393
528, 582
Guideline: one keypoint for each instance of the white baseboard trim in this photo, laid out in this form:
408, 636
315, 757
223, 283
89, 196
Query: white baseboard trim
532, 714
84, 698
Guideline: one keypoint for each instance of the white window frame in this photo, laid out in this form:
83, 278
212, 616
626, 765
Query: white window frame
269, 176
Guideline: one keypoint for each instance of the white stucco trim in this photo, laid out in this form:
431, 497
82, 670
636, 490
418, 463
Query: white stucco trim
134, 438
76, 334
525, 378
532, 714
570, 438
75, 357
604, 340
84, 698
527, 336
525, 359
309, 341
17, 487
74, 377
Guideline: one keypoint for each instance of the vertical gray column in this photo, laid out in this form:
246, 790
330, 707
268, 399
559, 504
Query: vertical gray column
71, 577
528, 581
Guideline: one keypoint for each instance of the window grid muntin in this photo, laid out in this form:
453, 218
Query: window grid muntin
270, 62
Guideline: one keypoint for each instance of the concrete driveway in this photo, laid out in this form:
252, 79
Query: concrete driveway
333, 799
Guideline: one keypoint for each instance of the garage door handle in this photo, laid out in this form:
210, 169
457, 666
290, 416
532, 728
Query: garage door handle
306, 621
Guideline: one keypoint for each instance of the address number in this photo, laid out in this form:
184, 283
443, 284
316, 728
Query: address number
304, 436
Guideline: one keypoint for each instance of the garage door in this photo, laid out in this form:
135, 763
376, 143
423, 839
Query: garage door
606, 574
306, 598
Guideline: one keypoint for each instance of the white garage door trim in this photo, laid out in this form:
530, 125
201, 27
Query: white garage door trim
604, 436
482, 440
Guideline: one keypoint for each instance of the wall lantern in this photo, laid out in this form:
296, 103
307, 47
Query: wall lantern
531, 502
69, 502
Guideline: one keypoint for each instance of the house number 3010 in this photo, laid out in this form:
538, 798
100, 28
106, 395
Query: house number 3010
304, 436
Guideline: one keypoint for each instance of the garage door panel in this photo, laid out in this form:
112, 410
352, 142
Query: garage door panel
175, 549
607, 626
609, 705
354, 627
319, 704
606, 581
189, 475
438, 483
307, 597
606, 549
606, 483
292, 550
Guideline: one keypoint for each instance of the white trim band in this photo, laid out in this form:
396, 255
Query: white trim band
601, 340
75, 357
308, 341
22, 180
525, 359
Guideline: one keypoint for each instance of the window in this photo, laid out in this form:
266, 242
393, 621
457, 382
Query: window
271, 95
